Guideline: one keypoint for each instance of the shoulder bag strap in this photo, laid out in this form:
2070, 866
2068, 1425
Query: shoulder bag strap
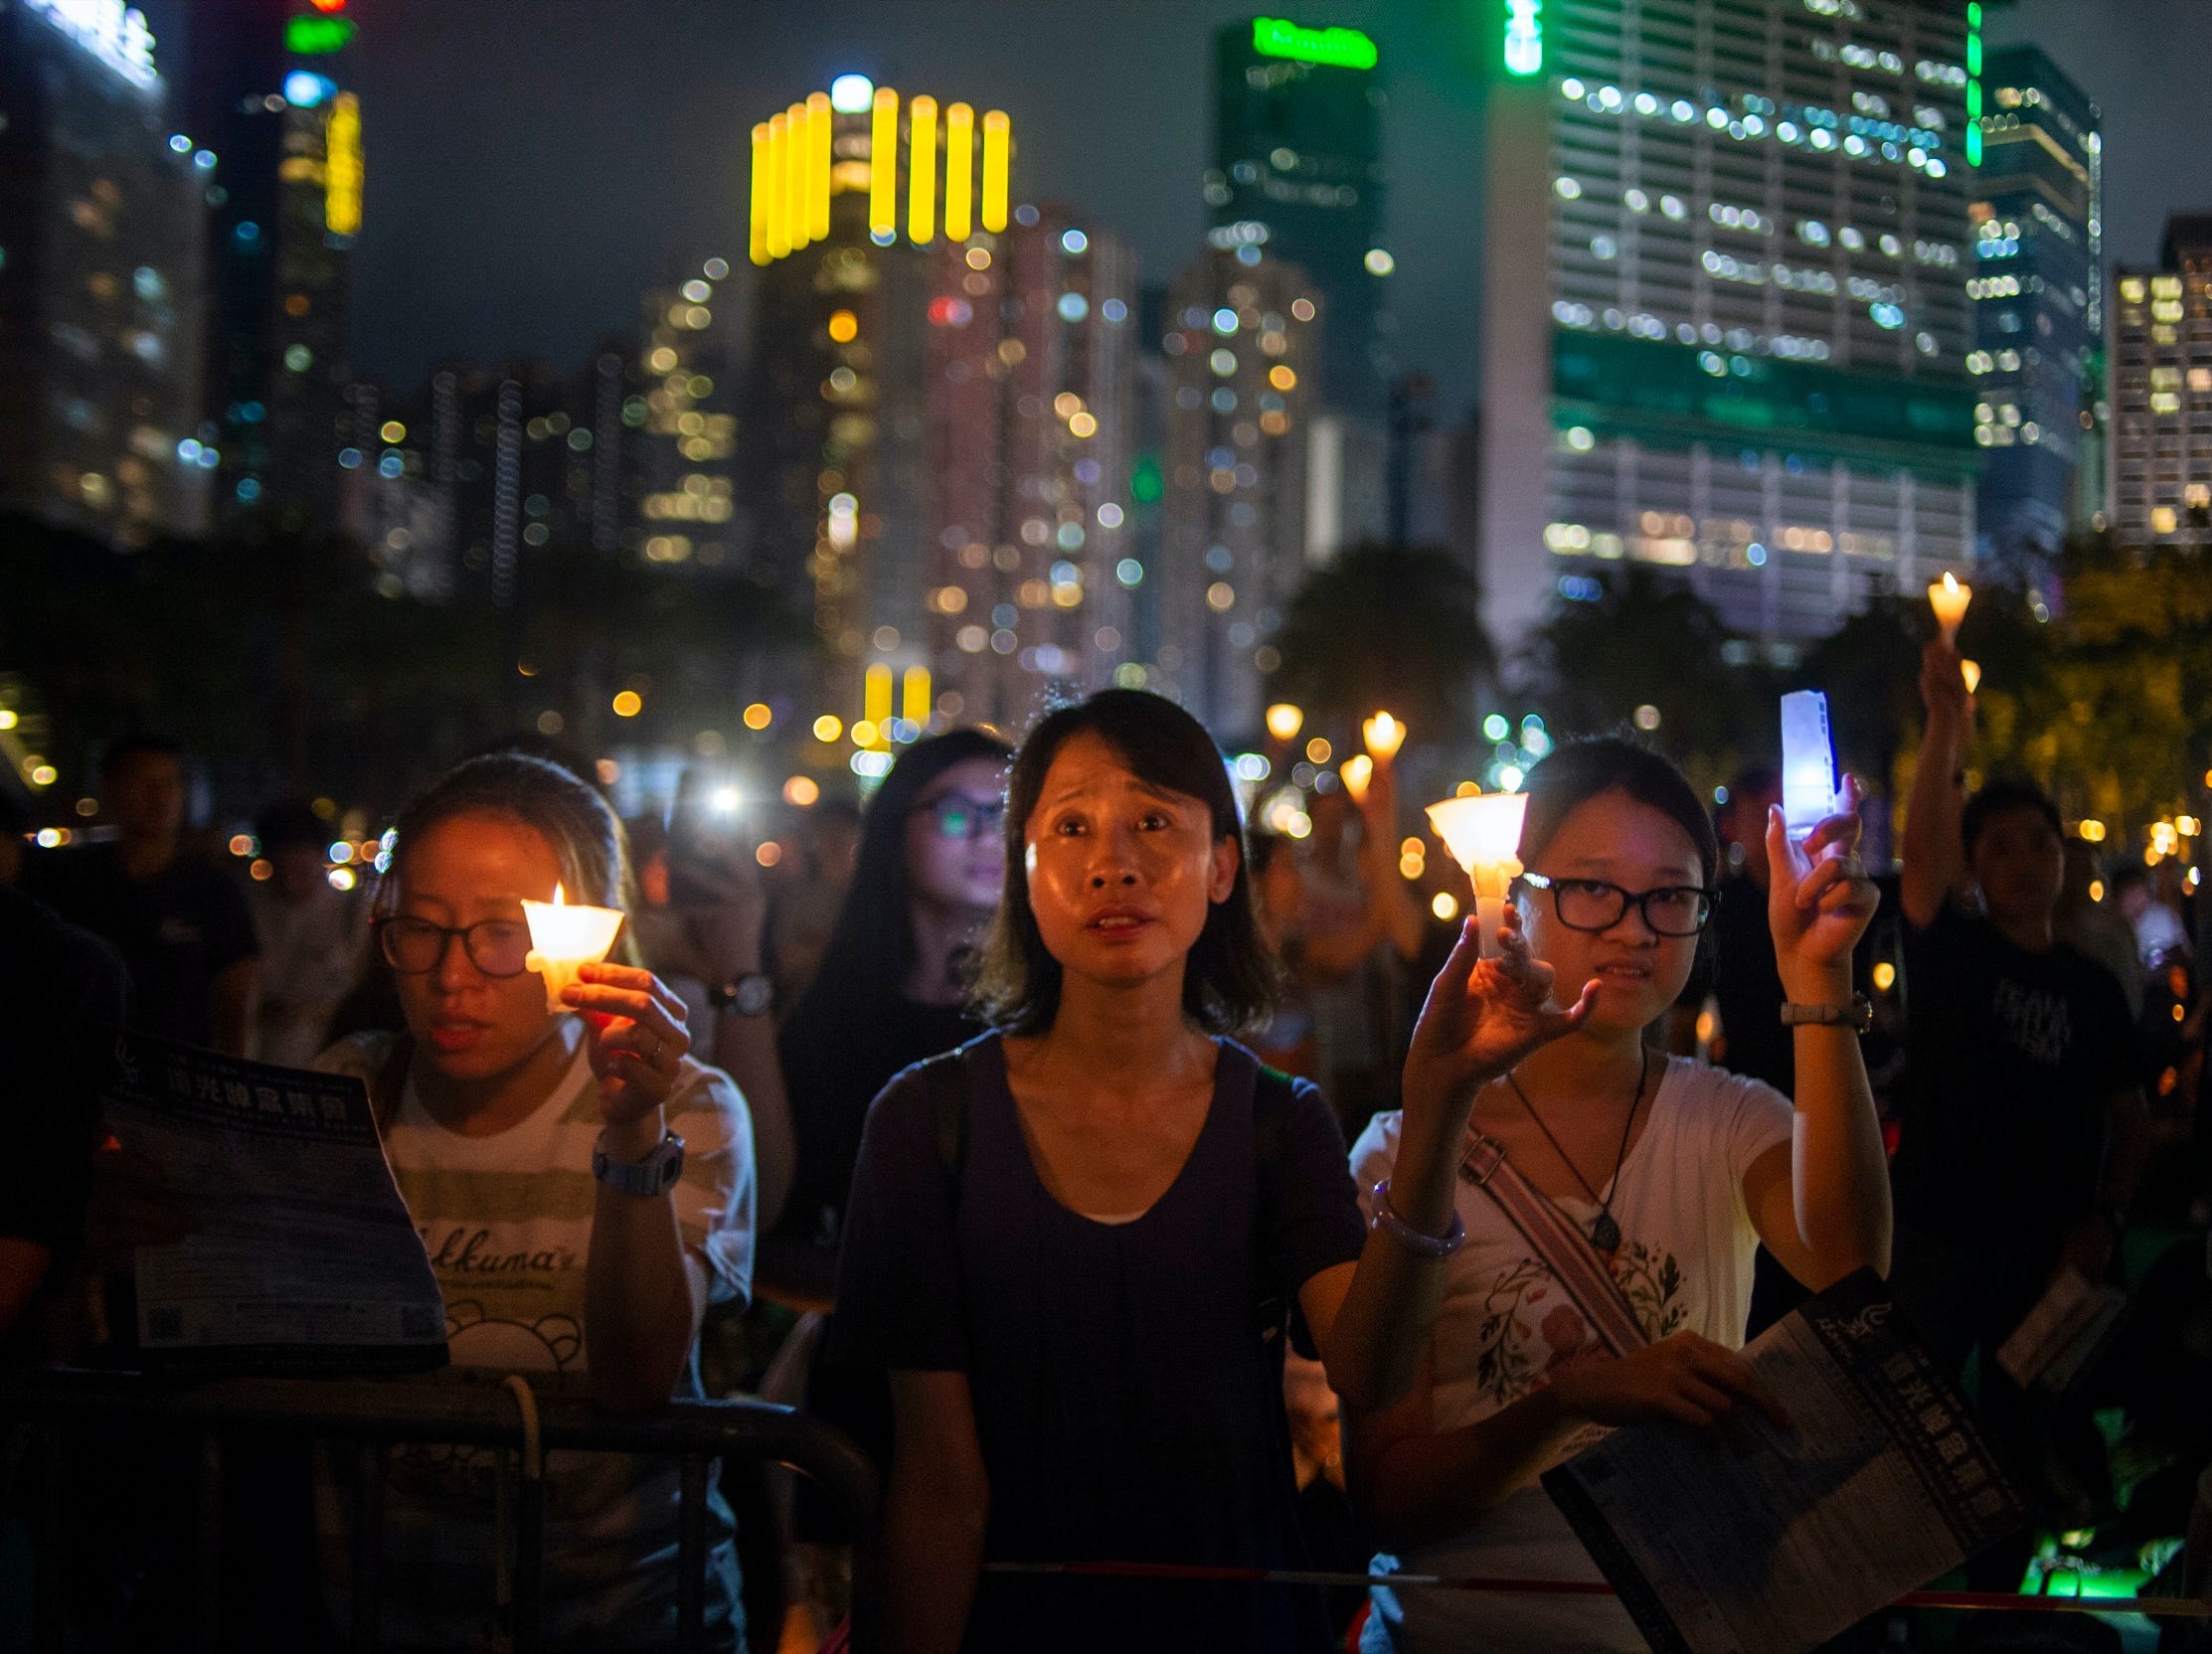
1559, 1246
1272, 1094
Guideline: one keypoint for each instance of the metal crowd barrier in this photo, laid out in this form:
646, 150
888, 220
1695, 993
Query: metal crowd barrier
376, 1415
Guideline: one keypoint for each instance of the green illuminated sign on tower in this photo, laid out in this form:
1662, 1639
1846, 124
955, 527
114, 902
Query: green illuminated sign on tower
316, 36
1276, 37
1974, 86
1524, 38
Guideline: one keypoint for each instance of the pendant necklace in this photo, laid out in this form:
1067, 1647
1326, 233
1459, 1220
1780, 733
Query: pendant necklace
1604, 1231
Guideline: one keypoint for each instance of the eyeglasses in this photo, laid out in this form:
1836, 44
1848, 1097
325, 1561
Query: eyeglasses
415, 946
1594, 905
960, 817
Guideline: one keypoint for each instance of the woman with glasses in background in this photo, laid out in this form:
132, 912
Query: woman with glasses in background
583, 1188
1669, 1171
892, 985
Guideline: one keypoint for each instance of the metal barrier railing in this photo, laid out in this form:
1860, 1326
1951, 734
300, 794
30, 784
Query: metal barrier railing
376, 1415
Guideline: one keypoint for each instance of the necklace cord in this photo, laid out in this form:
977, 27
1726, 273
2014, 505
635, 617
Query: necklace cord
1635, 1101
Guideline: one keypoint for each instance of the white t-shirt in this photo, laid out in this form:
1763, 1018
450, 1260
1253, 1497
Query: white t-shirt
1684, 1266
507, 1222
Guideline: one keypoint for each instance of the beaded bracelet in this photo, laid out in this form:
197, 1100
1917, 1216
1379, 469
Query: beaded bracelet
1387, 1219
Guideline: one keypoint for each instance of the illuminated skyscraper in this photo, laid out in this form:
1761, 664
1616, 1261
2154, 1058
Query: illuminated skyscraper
851, 190
1032, 353
684, 428
282, 139
1725, 312
2161, 393
1243, 333
100, 265
2036, 282
1297, 166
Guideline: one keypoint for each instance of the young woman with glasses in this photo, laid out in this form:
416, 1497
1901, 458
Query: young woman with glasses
892, 987
1670, 1171
582, 1187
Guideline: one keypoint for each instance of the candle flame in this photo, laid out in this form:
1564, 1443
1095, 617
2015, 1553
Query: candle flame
559, 897
1950, 581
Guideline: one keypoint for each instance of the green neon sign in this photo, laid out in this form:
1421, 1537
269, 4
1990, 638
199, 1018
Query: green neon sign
1524, 38
318, 36
1277, 36
1973, 85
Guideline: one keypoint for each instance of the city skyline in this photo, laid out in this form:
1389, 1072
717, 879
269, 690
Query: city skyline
584, 190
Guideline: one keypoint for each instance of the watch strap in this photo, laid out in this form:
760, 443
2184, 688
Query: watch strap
1858, 1014
653, 1174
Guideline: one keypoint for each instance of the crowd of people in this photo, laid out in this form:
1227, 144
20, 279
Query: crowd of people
1005, 1126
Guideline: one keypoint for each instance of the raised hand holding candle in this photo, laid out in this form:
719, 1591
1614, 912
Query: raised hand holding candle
1483, 834
1357, 771
1949, 598
564, 937
1383, 734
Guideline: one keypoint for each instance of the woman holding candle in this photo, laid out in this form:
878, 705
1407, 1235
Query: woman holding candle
584, 1189
1074, 1245
1668, 1173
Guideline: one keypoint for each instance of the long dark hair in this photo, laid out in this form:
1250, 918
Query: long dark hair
1229, 980
871, 950
576, 820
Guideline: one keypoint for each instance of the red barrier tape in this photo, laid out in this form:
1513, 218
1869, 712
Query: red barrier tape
2154, 1607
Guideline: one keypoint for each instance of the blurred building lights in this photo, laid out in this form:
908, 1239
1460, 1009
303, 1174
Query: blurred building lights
628, 704
922, 170
851, 94
802, 791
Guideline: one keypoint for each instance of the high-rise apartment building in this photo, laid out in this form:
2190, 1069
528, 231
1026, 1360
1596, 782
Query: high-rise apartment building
2160, 457
1725, 308
1032, 359
100, 267
682, 415
852, 189
1243, 337
2036, 283
281, 136
1298, 167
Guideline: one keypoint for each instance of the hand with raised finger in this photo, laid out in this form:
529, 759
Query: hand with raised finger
636, 1040
1819, 900
1482, 1016
1687, 1378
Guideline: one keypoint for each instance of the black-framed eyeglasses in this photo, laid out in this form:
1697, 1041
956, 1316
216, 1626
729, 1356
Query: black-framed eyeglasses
958, 817
416, 947
1594, 905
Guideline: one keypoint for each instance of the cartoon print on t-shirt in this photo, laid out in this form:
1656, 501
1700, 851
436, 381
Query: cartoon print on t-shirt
494, 1348
1530, 1326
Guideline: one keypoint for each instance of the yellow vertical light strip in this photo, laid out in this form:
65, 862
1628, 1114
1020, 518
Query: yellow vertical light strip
959, 172
778, 227
921, 171
997, 148
874, 699
795, 126
917, 710
763, 194
819, 120
883, 166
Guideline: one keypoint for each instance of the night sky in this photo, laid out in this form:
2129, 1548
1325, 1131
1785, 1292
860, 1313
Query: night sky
534, 165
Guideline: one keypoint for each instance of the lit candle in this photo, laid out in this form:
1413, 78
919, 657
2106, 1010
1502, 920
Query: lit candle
1971, 672
1949, 598
1383, 734
1357, 771
1284, 720
564, 937
1483, 834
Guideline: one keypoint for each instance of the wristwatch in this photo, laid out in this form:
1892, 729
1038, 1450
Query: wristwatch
1858, 1015
749, 995
651, 1176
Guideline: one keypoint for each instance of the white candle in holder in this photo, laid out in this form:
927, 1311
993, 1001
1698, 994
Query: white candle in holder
1949, 598
564, 937
1483, 834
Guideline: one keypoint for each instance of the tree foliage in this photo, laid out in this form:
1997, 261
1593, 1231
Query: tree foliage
1393, 627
